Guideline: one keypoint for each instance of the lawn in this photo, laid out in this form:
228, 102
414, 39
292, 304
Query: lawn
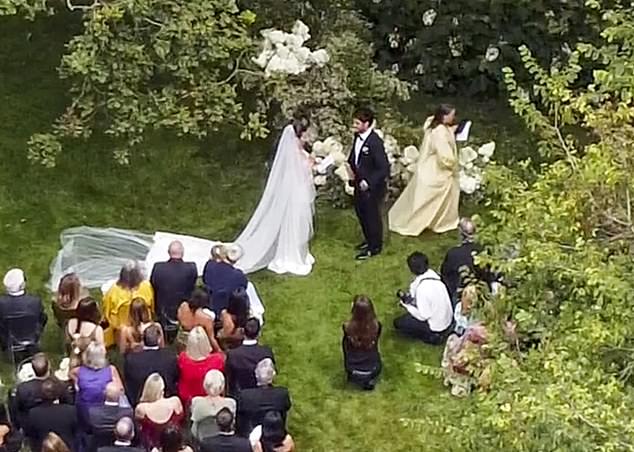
209, 189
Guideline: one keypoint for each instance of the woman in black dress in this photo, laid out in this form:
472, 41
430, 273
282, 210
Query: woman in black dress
361, 333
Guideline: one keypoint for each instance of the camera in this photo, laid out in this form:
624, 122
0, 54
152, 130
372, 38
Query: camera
405, 297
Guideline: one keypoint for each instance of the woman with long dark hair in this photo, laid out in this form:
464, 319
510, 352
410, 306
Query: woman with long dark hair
272, 436
131, 338
83, 329
360, 343
430, 200
233, 319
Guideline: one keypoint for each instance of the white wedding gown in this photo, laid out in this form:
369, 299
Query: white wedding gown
277, 235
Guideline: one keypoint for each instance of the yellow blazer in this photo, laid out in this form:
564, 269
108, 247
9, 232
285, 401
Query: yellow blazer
116, 307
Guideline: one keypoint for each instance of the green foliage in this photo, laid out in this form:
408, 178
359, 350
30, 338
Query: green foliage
466, 43
27, 8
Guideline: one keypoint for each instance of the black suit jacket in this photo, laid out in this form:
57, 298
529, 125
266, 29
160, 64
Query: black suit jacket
138, 366
58, 418
28, 395
221, 279
224, 443
373, 166
120, 449
254, 403
102, 420
241, 363
173, 282
456, 258
22, 305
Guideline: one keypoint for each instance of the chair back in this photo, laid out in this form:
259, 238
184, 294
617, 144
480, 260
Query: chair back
23, 331
206, 428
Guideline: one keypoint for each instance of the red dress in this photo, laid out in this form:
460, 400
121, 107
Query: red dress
151, 431
192, 373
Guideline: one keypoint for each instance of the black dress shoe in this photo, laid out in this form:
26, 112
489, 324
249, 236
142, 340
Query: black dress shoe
367, 254
362, 246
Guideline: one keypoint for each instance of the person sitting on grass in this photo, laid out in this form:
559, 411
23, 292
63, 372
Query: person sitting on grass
429, 313
360, 344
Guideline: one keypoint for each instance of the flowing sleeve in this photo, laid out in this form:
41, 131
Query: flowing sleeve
445, 148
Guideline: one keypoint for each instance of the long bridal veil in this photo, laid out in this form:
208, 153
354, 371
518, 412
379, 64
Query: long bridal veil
278, 233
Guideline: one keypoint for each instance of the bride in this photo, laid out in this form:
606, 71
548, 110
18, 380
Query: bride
278, 234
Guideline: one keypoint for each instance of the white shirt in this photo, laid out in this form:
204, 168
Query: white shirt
358, 144
432, 301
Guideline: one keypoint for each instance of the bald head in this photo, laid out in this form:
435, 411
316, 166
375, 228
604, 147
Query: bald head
112, 393
124, 430
467, 229
176, 250
40, 365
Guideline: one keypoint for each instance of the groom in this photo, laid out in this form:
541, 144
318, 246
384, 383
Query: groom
369, 169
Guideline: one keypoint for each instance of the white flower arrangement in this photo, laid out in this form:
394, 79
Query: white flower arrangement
492, 54
285, 52
429, 17
403, 161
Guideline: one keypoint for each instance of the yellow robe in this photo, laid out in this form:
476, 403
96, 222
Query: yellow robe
116, 307
430, 200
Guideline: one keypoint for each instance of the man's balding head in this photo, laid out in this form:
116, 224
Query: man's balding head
467, 229
176, 250
40, 365
112, 392
124, 430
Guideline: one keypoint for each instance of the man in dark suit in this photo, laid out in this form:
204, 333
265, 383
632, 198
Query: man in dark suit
369, 168
102, 419
16, 305
138, 366
52, 416
124, 434
459, 264
242, 361
221, 278
254, 403
173, 282
226, 440
28, 394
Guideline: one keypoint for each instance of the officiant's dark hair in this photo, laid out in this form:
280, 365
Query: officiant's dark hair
442, 111
364, 115
418, 263
300, 125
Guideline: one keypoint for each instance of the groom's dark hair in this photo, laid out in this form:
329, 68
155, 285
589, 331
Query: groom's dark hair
364, 115
418, 263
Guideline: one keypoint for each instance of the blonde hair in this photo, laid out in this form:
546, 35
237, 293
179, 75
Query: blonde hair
219, 252
153, 389
214, 383
198, 345
94, 356
53, 443
469, 296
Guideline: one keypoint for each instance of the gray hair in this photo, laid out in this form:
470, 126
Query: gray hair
214, 383
467, 229
94, 356
265, 372
176, 250
124, 429
234, 252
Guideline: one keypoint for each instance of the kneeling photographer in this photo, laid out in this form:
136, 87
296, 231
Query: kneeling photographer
429, 313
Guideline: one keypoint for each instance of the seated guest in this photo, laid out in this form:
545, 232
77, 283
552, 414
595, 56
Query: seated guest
194, 363
17, 304
153, 359
51, 416
429, 312
361, 334
221, 279
272, 436
69, 292
254, 403
155, 412
226, 440
173, 282
241, 361
462, 312
124, 434
91, 379
103, 418
10, 436
53, 443
195, 312
460, 260
83, 329
28, 394
233, 320
172, 441
205, 409
117, 300
131, 337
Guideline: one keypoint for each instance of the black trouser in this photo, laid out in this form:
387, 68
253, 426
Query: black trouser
368, 206
409, 326
364, 378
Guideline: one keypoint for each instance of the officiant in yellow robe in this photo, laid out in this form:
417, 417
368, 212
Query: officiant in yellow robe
431, 199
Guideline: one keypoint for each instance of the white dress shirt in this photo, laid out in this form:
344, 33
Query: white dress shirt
358, 144
432, 301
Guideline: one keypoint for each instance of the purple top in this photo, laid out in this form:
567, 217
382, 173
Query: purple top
91, 384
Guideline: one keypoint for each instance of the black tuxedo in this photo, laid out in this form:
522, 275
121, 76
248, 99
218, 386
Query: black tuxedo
254, 403
28, 395
173, 282
372, 167
221, 280
27, 306
462, 257
57, 418
102, 420
224, 443
138, 366
240, 366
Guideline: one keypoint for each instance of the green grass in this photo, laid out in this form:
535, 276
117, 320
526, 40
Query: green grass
209, 189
